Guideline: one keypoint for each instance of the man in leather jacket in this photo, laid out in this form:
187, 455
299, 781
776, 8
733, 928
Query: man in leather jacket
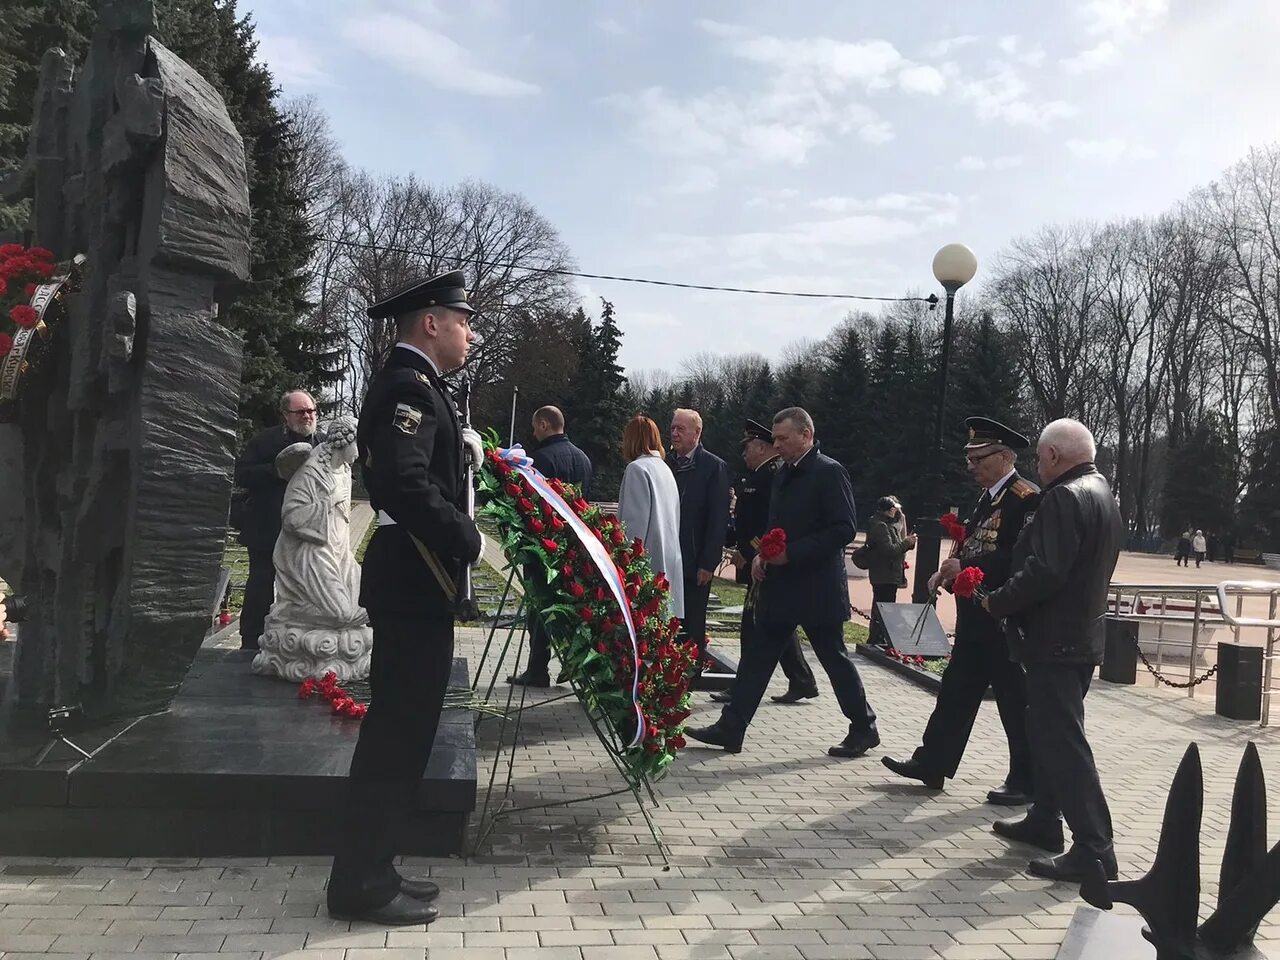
1054, 606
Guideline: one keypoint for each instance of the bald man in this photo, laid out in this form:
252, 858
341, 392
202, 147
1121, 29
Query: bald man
1053, 606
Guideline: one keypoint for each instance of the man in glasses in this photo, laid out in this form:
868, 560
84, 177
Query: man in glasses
980, 657
257, 512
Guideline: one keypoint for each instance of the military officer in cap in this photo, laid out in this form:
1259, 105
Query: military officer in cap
980, 657
750, 523
414, 453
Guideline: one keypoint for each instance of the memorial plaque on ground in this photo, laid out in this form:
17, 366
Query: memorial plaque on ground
911, 636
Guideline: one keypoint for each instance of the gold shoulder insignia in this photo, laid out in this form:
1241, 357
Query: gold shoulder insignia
423, 377
1021, 489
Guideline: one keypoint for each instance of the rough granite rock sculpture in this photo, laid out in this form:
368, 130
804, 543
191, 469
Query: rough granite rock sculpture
128, 437
316, 624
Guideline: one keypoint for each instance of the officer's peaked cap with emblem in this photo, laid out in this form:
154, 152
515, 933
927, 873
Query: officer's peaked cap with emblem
983, 432
447, 290
755, 430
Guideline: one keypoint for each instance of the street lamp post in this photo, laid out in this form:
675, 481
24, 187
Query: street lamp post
953, 266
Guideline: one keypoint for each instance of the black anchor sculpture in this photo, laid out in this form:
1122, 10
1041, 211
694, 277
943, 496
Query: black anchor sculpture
1168, 897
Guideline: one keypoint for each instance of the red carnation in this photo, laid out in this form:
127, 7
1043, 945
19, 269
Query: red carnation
550, 545
557, 523
773, 544
586, 614
601, 594
953, 528
577, 589
967, 582
524, 505
567, 570
44, 270
4, 287
11, 249
31, 289
536, 525
23, 315
40, 253
513, 489
6, 344
617, 536
637, 547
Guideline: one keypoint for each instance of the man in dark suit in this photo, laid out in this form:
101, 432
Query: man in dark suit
258, 519
555, 457
980, 657
1055, 603
414, 453
812, 501
703, 482
750, 523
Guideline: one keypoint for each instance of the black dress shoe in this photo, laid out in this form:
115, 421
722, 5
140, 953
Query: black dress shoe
913, 770
1074, 866
1009, 795
718, 736
528, 679
1047, 835
795, 696
722, 696
423, 890
402, 911
855, 744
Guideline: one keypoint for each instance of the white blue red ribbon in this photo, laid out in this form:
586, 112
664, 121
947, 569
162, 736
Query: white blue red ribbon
515, 458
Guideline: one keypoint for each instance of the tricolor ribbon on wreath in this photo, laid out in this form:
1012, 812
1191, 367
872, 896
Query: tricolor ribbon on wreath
516, 458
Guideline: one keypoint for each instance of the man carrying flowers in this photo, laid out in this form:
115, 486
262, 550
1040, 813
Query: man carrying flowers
980, 657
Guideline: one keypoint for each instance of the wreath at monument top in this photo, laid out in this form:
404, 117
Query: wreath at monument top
33, 288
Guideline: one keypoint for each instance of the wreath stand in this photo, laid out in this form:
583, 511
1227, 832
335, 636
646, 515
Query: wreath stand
500, 806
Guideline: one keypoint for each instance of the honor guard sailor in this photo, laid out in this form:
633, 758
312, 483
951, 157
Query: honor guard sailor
414, 455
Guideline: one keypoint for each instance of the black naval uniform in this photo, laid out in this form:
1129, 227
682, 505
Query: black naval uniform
411, 452
980, 657
750, 523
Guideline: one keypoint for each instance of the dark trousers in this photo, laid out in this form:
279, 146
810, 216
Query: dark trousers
979, 659
539, 647
881, 593
408, 677
794, 665
760, 659
1066, 779
259, 594
694, 624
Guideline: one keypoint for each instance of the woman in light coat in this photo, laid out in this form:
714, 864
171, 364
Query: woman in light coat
649, 504
1198, 546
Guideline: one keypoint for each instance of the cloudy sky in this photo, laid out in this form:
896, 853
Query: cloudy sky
821, 146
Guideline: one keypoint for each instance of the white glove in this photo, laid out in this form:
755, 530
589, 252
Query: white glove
480, 557
472, 448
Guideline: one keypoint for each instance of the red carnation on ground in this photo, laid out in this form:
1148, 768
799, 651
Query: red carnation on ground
967, 583
773, 544
24, 315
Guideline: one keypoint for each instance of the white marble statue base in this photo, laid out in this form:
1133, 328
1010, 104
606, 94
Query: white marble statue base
296, 653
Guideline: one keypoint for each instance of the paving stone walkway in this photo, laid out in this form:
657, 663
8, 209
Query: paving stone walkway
779, 853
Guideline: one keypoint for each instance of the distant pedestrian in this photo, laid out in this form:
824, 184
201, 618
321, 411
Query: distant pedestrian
1183, 552
1198, 547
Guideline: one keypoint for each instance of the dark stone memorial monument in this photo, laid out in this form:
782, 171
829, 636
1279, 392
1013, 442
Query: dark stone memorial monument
1168, 897
128, 421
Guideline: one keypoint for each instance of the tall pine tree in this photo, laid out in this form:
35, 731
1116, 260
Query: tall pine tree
283, 349
840, 408
595, 407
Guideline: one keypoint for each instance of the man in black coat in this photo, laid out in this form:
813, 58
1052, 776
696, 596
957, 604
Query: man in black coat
556, 457
750, 523
980, 657
703, 482
414, 453
1054, 604
258, 518
806, 585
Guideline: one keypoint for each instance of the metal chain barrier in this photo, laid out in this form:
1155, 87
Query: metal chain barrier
1173, 683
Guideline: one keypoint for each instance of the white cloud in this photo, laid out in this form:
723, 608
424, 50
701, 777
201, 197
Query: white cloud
609, 25
693, 180
922, 79
1031, 55
1123, 18
291, 61
1004, 95
1109, 150
940, 48
432, 56
875, 133
1095, 57
974, 164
